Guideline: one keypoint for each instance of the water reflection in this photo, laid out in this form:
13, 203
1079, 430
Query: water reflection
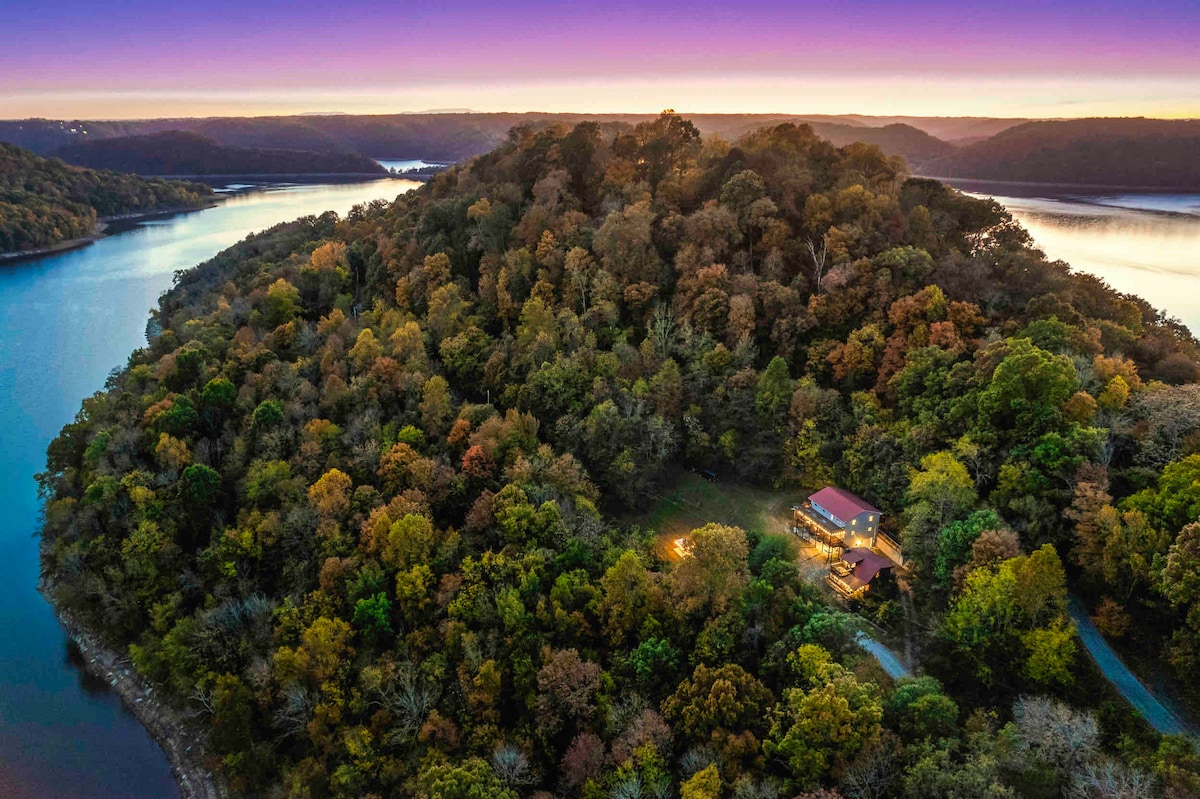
88, 683
404, 165
1148, 245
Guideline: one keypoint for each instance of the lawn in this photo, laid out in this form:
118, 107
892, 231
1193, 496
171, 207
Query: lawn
688, 501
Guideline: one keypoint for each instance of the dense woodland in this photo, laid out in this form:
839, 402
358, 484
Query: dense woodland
44, 201
354, 507
183, 153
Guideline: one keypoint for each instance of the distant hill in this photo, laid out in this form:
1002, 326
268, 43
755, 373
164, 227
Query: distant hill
955, 130
917, 146
1105, 152
185, 153
44, 202
445, 136
1144, 152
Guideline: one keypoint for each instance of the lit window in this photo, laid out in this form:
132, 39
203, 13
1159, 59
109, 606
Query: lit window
870, 518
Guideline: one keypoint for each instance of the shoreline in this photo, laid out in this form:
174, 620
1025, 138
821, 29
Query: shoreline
103, 223
100, 232
324, 177
50, 249
1103, 188
181, 741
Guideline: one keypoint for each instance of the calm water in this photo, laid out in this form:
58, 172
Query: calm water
1143, 244
65, 322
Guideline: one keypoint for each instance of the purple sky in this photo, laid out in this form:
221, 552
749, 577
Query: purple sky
1022, 58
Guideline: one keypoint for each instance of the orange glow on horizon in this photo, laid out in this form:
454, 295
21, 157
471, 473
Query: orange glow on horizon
893, 95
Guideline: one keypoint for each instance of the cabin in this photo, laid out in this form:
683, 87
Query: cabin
859, 518
840, 519
847, 527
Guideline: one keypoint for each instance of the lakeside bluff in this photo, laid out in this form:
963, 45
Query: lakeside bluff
378, 506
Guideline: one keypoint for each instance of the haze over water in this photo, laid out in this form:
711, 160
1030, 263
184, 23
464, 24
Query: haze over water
66, 321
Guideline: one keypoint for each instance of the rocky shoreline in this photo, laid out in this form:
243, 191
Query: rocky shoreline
180, 738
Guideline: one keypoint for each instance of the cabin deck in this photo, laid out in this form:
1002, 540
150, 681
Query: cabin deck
815, 524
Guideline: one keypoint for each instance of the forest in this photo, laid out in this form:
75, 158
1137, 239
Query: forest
356, 505
178, 152
44, 201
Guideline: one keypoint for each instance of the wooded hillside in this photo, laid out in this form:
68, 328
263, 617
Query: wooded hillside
1156, 153
45, 201
184, 153
354, 507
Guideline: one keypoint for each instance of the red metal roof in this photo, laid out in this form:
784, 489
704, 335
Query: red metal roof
868, 563
842, 503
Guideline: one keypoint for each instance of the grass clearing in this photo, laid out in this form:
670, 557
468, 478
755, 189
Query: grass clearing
688, 501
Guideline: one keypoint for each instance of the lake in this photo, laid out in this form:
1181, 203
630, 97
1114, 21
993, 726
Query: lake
402, 165
1143, 244
66, 321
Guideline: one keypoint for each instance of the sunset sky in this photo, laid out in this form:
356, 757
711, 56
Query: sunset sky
968, 57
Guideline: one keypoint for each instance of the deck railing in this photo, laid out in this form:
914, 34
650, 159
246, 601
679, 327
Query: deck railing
825, 530
890, 547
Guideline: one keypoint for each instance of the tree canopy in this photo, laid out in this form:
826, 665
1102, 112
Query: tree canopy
359, 506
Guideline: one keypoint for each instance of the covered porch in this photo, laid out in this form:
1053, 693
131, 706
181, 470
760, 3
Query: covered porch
808, 522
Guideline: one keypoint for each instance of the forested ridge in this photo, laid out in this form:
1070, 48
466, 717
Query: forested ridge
44, 201
457, 136
1117, 151
355, 506
1107, 152
177, 152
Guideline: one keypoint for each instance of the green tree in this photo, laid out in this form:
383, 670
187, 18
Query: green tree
218, 393
939, 775
473, 778
372, 615
268, 414
1027, 391
919, 710
1176, 502
817, 732
1181, 586
435, 405
629, 594
956, 540
941, 490
774, 391
1013, 619
201, 485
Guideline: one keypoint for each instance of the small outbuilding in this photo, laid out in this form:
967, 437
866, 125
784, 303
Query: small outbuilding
853, 572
